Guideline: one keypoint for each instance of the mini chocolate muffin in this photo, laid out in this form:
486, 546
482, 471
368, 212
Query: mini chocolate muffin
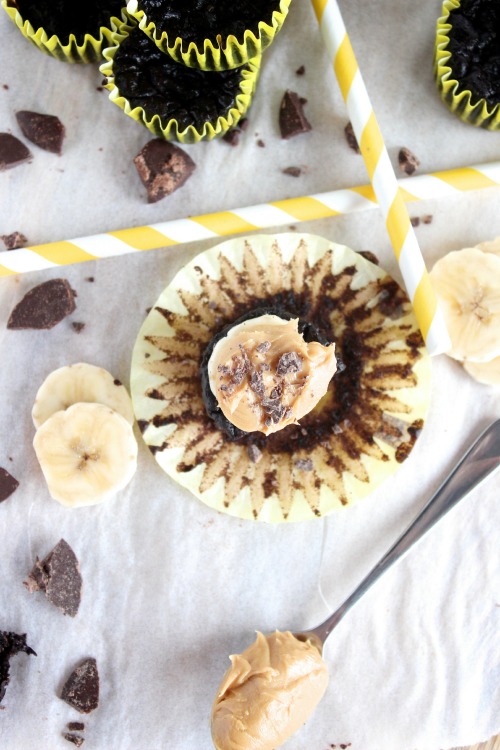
207, 35
170, 99
357, 435
467, 60
67, 30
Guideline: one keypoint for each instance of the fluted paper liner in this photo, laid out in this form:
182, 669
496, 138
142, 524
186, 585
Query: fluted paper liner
171, 129
71, 51
463, 102
353, 439
213, 55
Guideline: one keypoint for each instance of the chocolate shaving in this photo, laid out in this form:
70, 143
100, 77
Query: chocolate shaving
45, 131
12, 152
408, 162
8, 484
58, 575
304, 464
81, 689
10, 645
292, 120
289, 362
264, 347
256, 382
43, 306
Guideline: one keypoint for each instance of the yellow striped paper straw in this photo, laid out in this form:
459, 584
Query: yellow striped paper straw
382, 177
239, 220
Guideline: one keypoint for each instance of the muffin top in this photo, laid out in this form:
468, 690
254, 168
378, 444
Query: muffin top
65, 17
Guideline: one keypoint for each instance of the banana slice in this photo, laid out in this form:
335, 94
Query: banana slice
80, 383
485, 372
467, 283
87, 453
491, 246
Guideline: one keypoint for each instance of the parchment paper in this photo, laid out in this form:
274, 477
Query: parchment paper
170, 587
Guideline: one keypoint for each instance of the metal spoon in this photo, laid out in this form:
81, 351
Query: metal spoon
480, 460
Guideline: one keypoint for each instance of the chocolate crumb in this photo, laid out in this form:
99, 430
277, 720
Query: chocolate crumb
289, 362
77, 326
408, 162
304, 464
415, 221
427, 219
260, 143
14, 241
89, 278
232, 136
292, 171
254, 453
12, 152
45, 131
8, 484
116, 381
58, 576
81, 689
300, 71
292, 120
74, 738
99, 88
76, 726
263, 347
5, 86
10, 645
351, 139
43, 306
163, 168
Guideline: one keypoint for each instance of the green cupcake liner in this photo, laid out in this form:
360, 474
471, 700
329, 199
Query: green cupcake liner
171, 130
462, 102
71, 52
213, 56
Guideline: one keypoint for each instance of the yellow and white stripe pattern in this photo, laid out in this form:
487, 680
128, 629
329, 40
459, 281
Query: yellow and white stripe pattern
382, 177
243, 220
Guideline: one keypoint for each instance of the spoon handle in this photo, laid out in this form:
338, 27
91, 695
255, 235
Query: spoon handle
480, 460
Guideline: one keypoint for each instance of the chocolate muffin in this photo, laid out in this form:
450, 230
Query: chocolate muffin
361, 430
170, 99
208, 35
67, 30
467, 60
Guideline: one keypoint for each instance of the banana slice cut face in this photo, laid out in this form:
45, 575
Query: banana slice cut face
467, 283
80, 383
87, 453
487, 373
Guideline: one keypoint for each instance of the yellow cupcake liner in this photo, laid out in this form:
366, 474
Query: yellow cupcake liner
214, 56
358, 440
171, 131
462, 102
72, 51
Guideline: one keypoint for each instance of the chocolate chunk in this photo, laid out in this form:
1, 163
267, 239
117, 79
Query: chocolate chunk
81, 689
292, 120
415, 221
292, 171
304, 464
254, 453
43, 306
351, 139
74, 738
300, 71
163, 167
408, 162
76, 726
77, 327
289, 362
58, 575
45, 131
8, 485
12, 151
14, 240
10, 645
260, 143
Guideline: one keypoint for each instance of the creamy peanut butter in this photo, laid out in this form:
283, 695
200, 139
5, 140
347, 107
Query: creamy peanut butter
269, 691
265, 376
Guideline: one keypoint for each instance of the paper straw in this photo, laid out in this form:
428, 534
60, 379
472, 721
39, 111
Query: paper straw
382, 177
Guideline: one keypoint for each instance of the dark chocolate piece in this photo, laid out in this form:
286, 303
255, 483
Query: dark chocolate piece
76, 726
66, 17
10, 645
351, 139
8, 484
292, 171
58, 575
74, 738
77, 326
163, 168
45, 131
14, 240
408, 162
43, 306
12, 152
292, 120
81, 689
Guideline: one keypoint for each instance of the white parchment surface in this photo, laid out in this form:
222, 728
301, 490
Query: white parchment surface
171, 588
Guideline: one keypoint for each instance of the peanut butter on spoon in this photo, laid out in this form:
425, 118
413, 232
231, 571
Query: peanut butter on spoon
265, 376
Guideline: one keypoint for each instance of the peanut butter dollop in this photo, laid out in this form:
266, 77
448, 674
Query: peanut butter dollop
269, 691
265, 376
